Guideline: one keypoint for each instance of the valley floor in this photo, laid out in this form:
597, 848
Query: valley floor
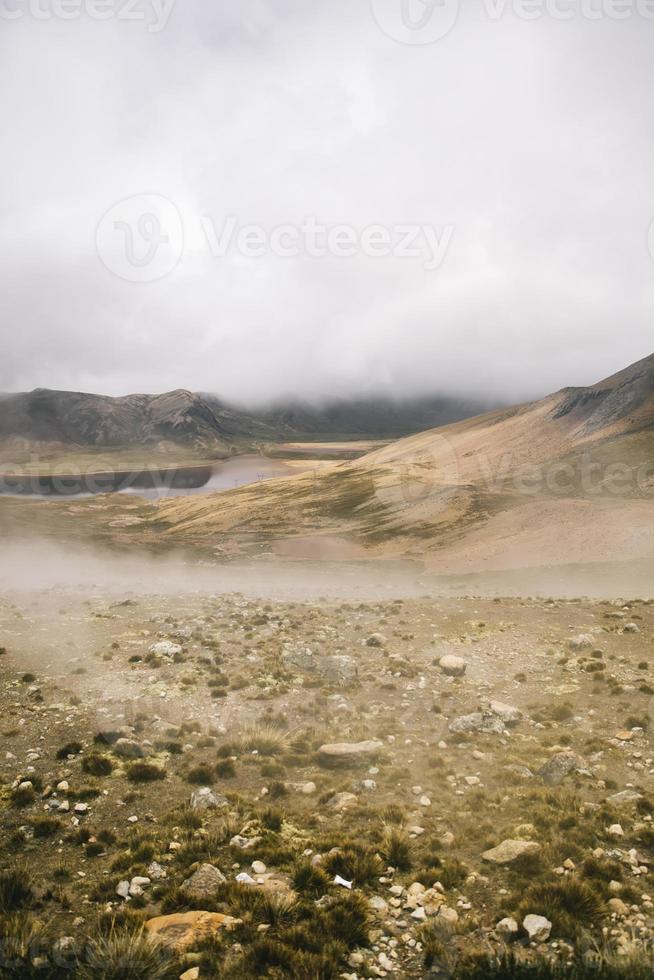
170, 753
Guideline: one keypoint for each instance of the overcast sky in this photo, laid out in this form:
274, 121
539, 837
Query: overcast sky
527, 147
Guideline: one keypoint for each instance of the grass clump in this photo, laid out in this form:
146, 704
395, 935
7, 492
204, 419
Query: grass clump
266, 739
45, 826
202, 775
70, 748
594, 966
145, 772
96, 764
16, 892
397, 848
354, 862
309, 880
225, 769
125, 955
570, 904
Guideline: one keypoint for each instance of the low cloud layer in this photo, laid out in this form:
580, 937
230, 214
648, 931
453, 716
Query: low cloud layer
519, 151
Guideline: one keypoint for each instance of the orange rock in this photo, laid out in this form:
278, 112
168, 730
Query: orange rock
182, 929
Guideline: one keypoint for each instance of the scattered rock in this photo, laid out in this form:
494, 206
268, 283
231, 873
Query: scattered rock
507, 927
582, 642
347, 751
626, 796
339, 671
165, 649
560, 766
204, 882
453, 666
537, 927
478, 721
509, 714
205, 799
509, 851
341, 801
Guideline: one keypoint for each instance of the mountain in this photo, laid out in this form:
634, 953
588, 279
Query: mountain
74, 418
568, 479
204, 421
354, 418
618, 412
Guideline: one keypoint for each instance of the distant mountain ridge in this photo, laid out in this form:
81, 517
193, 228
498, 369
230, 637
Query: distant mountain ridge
82, 419
204, 421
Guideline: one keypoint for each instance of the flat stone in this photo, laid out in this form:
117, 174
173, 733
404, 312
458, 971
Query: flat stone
347, 751
626, 796
341, 801
509, 851
479, 721
509, 714
182, 930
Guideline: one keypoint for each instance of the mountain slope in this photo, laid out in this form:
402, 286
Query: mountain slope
523, 485
570, 421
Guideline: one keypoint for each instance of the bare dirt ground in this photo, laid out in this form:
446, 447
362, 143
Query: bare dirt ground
122, 700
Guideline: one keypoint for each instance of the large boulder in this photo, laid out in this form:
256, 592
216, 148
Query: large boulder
339, 670
205, 799
484, 722
559, 766
509, 851
165, 648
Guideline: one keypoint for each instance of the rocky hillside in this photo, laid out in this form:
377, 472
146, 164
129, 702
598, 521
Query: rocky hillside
73, 418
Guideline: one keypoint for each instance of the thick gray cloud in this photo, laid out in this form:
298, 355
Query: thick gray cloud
531, 140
